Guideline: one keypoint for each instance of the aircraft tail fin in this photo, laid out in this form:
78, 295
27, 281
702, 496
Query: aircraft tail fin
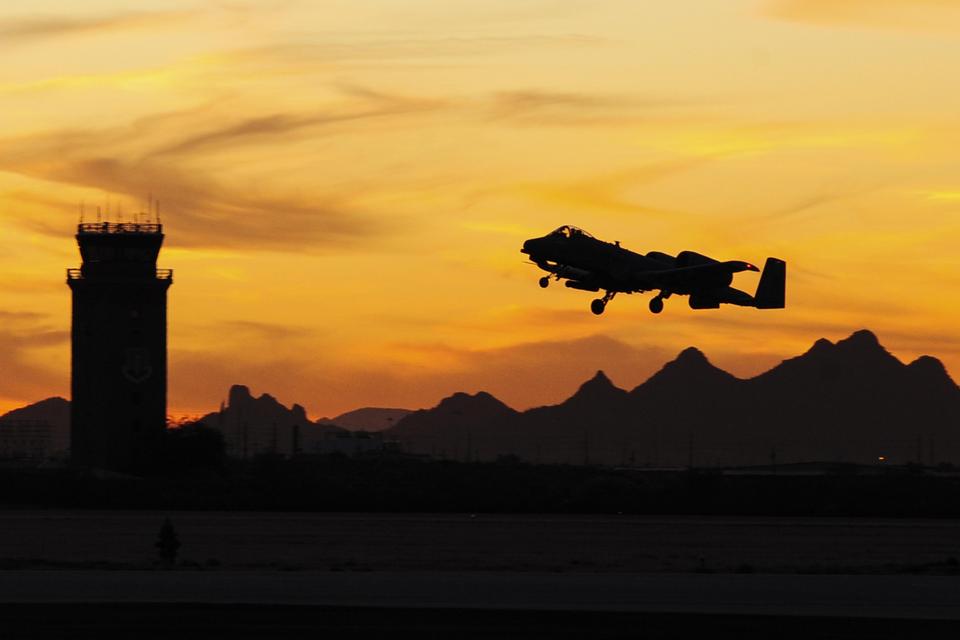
771, 292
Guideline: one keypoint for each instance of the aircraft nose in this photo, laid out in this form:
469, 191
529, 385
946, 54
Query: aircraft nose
527, 246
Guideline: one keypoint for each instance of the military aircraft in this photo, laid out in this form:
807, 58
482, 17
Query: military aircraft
590, 264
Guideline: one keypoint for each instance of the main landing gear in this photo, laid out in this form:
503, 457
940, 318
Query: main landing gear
597, 306
656, 302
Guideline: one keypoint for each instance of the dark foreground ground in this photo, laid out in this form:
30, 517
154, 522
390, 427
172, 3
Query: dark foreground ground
464, 542
79, 573
330, 484
185, 622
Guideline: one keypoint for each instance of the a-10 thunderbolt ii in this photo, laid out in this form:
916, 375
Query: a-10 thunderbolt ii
590, 264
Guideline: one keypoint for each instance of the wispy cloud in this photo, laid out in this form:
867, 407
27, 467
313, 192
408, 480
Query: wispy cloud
208, 214
825, 196
610, 192
164, 154
23, 337
536, 106
333, 49
282, 124
28, 29
927, 15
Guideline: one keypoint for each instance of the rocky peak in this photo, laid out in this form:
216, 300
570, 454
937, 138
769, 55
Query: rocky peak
862, 340
691, 355
596, 389
821, 346
862, 348
931, 371
239, 393
299, 413
599, 382
864, 337
481, 402
689, 360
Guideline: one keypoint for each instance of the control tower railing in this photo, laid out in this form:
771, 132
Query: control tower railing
120, 227
161, 274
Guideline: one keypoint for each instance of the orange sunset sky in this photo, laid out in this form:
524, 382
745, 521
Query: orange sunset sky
345, 185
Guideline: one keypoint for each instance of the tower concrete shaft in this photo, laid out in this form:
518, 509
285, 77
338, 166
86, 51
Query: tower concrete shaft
119, 346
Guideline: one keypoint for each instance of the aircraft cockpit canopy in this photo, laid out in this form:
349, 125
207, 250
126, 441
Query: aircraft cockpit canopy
568, 231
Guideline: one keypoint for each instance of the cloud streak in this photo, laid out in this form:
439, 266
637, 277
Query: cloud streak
24, 30
209, 210
23, 337
387, 49
277, 125
924, 15
535, 106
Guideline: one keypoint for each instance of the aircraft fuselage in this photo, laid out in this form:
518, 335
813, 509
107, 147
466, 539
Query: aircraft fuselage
590, 264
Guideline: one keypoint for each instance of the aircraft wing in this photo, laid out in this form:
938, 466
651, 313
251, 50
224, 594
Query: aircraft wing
694, 275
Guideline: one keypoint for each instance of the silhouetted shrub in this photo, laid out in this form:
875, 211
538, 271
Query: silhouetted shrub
192, 446
167, 544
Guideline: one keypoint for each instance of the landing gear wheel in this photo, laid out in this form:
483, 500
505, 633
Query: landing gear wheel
544, 282
656, 304
597, 306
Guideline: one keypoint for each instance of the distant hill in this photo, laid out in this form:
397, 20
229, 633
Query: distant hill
849, 401
448, 429
367, 419
54, 411
262, 425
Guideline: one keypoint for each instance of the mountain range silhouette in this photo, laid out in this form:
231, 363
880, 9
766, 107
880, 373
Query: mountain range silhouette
846, 401
850, 401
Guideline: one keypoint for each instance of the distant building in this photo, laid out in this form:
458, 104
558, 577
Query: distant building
349, 443
25, 440
119, 346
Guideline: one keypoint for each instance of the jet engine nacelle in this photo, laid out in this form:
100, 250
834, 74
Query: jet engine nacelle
664, 258
573, 273
725, 296
717, 280
704, 302
691, 258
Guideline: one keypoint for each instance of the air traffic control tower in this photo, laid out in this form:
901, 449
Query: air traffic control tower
119, 354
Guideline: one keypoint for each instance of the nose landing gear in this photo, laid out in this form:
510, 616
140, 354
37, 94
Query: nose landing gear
544, 282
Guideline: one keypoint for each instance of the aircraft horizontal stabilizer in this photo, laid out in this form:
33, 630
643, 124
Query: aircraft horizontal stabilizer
771, 292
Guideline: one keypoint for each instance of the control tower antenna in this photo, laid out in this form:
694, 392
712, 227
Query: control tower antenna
99, 217
158, 210
81, 211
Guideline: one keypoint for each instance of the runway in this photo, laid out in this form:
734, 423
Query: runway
888, 597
